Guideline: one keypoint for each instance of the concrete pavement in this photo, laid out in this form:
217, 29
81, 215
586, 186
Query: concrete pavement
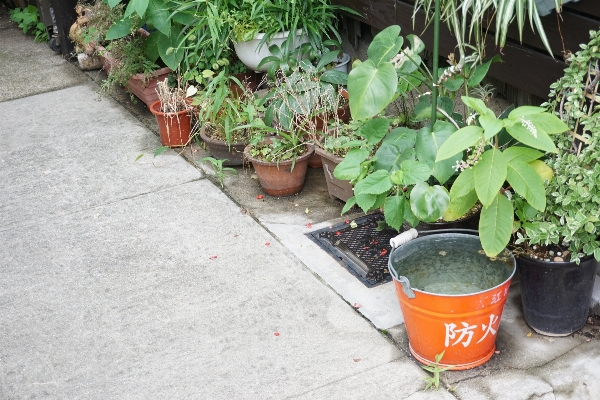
125, 277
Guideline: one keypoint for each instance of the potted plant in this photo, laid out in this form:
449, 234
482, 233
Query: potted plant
173, 113
560, 247
257, 25
221, 111
132, 69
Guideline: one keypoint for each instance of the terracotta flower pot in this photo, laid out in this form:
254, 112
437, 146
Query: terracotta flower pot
336, 188
145, 90
250, 81
279, 179
175, 128
234, 153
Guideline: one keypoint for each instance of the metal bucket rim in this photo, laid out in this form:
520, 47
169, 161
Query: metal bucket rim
457, 235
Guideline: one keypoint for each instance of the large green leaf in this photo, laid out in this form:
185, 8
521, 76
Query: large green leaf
463, 184
459, 141
402, 136
376, 183
526, 181
151, 46
477, 105
112, 3
390, 155
428, 203
481, 71
120, 29
351, 202
365, 201
537, 139
549, 123
495, 225
140, 7
385, 45
169, 51
491, 125
157, 14
393, 210
427, 145
489, 175
349, 168
520, 153
414, 172
371, 89
375, 129
459, 206
525, 110
334, 77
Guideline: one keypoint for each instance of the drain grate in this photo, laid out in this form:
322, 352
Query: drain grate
363, 250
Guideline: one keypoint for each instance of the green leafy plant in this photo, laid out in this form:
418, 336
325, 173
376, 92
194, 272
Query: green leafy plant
316, 18
499, 151
469, 21
219, 170
436, 370
571, 220
394, 168
28, 20
130, 60
221, 111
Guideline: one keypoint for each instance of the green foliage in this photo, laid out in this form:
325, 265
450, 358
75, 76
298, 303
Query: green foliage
489, 166
222, 112
572, 215
435, 369
130, 60
29, 21
219, 170
316, 18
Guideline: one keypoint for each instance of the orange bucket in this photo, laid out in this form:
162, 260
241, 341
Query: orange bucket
452, 296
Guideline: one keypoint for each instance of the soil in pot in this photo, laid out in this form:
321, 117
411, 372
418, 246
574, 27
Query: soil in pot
174, 128
556, 295
280, 179
219, 149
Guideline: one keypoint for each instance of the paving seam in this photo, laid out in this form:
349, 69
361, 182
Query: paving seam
61, 216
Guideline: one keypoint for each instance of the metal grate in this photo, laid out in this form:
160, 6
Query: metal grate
363, 250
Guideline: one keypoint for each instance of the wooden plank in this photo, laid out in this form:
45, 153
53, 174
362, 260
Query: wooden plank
379, 14
588, 7
574, 29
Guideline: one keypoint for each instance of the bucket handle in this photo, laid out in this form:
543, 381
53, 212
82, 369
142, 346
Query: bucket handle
406, 287
404, 237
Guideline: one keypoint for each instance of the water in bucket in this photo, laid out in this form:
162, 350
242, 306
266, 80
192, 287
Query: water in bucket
450, 264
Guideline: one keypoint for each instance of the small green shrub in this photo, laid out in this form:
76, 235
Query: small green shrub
28, 19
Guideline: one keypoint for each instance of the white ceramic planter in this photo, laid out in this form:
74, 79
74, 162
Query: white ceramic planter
342, 63
251, 56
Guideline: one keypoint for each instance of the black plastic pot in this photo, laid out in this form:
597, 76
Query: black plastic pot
471, 222
556, 295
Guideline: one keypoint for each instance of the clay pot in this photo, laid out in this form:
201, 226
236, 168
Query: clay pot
279, 179
336, 188
175, 128
145, 90
233, 153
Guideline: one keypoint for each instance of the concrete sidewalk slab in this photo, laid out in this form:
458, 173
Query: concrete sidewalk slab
28, 68
57, 162
125, 299
378, 304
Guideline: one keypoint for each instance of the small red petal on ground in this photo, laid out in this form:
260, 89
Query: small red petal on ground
309, 225
276, 333
347, 221
497, 352
356, 359
383, 252
357, 306
259, 197
338, 233
268, 244
213, 257
366, 247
